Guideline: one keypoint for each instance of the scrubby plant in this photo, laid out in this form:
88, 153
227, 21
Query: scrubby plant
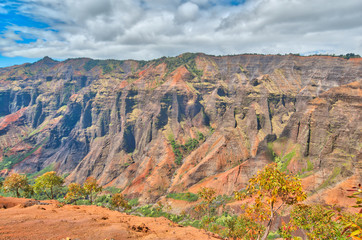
104, 200
200, 136
133, 202
113, 190
181, 150
190, 145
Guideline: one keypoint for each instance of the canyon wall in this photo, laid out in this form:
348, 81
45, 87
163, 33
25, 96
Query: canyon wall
176, 124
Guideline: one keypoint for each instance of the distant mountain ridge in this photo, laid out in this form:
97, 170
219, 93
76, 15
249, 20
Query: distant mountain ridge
175, 124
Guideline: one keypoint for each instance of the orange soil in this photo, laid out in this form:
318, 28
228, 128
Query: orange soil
85, 222
123, 84
337, 195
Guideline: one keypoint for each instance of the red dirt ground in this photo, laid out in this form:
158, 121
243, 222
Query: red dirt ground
20, 219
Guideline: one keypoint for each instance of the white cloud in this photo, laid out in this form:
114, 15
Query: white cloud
142, 29
187, 12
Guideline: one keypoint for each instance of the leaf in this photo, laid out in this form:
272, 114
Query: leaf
357, 232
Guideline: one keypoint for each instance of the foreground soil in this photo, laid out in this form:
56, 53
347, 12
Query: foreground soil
29, 219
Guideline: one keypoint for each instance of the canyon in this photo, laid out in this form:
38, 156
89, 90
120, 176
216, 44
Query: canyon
180, 123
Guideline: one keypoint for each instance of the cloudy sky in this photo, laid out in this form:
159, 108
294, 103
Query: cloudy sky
147, 29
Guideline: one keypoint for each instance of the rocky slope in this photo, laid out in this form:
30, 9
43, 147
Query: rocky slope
175, 124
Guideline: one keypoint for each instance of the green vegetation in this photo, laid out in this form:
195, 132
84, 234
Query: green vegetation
87, 194
107, 66
133, 202
308, 171
190, 145
189, 197
113, 190
329, 180
310, 166
176, 151
39, 129
181, 150
48, 168
284, 162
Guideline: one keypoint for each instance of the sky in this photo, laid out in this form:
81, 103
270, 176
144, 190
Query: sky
148, 29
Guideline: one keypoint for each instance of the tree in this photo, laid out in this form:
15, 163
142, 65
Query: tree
75, 192
16, 182
272, 190
355, 225
119, 201
28, 191
317, 221
242, 227
208, 195
48, 183
91, 188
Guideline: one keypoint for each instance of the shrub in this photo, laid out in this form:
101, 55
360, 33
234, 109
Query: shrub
181, 150
133, 202
189, 197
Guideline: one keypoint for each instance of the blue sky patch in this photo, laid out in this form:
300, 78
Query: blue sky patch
9, 61
236, 2
15, 18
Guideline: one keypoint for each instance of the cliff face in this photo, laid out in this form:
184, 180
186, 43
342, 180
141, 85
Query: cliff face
175, 124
